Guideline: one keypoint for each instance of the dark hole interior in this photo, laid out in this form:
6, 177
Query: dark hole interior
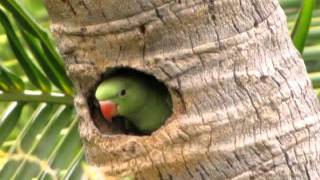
121, 124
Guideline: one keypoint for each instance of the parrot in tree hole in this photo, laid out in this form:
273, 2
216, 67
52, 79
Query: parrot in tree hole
144, 104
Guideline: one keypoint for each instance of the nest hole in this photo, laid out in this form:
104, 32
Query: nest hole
121, 124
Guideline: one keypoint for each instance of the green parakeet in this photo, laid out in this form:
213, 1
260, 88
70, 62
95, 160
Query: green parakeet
143, 103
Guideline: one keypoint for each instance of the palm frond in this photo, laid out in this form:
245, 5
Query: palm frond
38, 122
302, 25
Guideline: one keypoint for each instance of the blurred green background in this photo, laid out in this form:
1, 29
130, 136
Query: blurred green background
42, 127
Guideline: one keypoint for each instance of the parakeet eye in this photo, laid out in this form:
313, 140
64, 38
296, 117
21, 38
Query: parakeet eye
123, 92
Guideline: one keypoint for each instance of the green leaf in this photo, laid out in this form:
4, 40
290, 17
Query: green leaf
312, 53
46, 144
31, 96
301, 28
50, 131
315, 78
65, 151
9, 81
49, 65
290, 3
9, 120
27, 136
33, 73
314, 35
75, 170
31, 26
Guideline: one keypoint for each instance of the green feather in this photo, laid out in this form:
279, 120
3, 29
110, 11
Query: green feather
145, 103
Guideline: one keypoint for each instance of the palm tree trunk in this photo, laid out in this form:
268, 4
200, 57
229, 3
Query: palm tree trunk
243, 104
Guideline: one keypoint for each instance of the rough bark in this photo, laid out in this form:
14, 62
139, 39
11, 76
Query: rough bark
243, 105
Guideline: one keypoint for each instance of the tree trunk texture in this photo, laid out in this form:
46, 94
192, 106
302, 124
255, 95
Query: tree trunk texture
244, 107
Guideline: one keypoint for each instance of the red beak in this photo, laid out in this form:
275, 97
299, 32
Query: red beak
108, 109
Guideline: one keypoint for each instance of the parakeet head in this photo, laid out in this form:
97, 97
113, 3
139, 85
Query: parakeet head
120, 96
